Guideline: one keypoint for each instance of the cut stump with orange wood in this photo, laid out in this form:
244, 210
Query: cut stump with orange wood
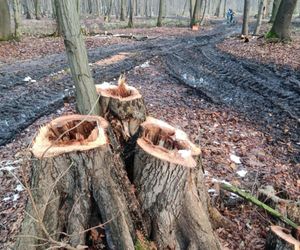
170, 186
75, 177
281, 239
123, 106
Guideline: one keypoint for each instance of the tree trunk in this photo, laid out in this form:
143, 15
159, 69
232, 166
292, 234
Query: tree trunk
5, 30
259, 17
122, 11
275, 8
192, 5
170, 186
125, 110
131, 9
77, 181
160, 13
37, 9
280, 239
281, 26
17, 18
196, 14
29, 9
204, 12
245, 29
86, 96
224, 8
218, 9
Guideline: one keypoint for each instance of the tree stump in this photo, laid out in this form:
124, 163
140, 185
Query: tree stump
280, 239
123, 106
168, 176
75, 176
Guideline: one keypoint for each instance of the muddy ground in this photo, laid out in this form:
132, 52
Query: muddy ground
230, 106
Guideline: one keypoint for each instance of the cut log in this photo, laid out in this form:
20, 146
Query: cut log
75, 176
167, 176
123, 106
280, 239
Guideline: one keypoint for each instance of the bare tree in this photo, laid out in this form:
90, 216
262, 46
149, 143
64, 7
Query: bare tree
17, 18
281, 26
276, 4
245, 29
77, 56
5, 30
160, 13
259, 16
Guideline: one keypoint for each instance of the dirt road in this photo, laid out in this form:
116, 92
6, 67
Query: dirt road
265, 94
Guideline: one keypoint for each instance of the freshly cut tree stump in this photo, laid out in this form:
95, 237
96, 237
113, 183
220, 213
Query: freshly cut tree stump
280, 239
167, 177
75, 176
123, 106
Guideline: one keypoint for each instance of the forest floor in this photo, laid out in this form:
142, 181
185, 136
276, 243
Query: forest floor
246, 109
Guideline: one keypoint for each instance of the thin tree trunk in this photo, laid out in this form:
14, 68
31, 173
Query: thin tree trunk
225, 7
122, 11
218, 9
86, 96
17, 18
275, 8
192, 5
204, 13
5, 30
259, 17
196, 14
37, 9
245, 29
131, 10
160, 13
29, 9
281, 26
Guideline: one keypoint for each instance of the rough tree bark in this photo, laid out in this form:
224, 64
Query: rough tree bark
281, 239
259, 17
5, 30
78, 181
170, 186
245, 28
281, 26
160, 13
86, 96
124, 108
275, 8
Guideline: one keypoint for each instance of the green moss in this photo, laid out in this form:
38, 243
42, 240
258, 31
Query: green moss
271, 35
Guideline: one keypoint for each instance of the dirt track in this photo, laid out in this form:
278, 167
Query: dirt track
267, 95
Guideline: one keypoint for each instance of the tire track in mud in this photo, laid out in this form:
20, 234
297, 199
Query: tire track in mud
22, 103
265, 94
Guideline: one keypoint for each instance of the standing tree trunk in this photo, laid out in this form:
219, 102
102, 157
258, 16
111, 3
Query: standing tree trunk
122, 11
17, 17
86, 96
192, 5
224, 8
170, 186
29, 9
281, 26
160, 13
245, 29
131, 10
275, 8
5, 30
204, 12
77, 181
196, 13
218, 9
37, 9
259, 17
